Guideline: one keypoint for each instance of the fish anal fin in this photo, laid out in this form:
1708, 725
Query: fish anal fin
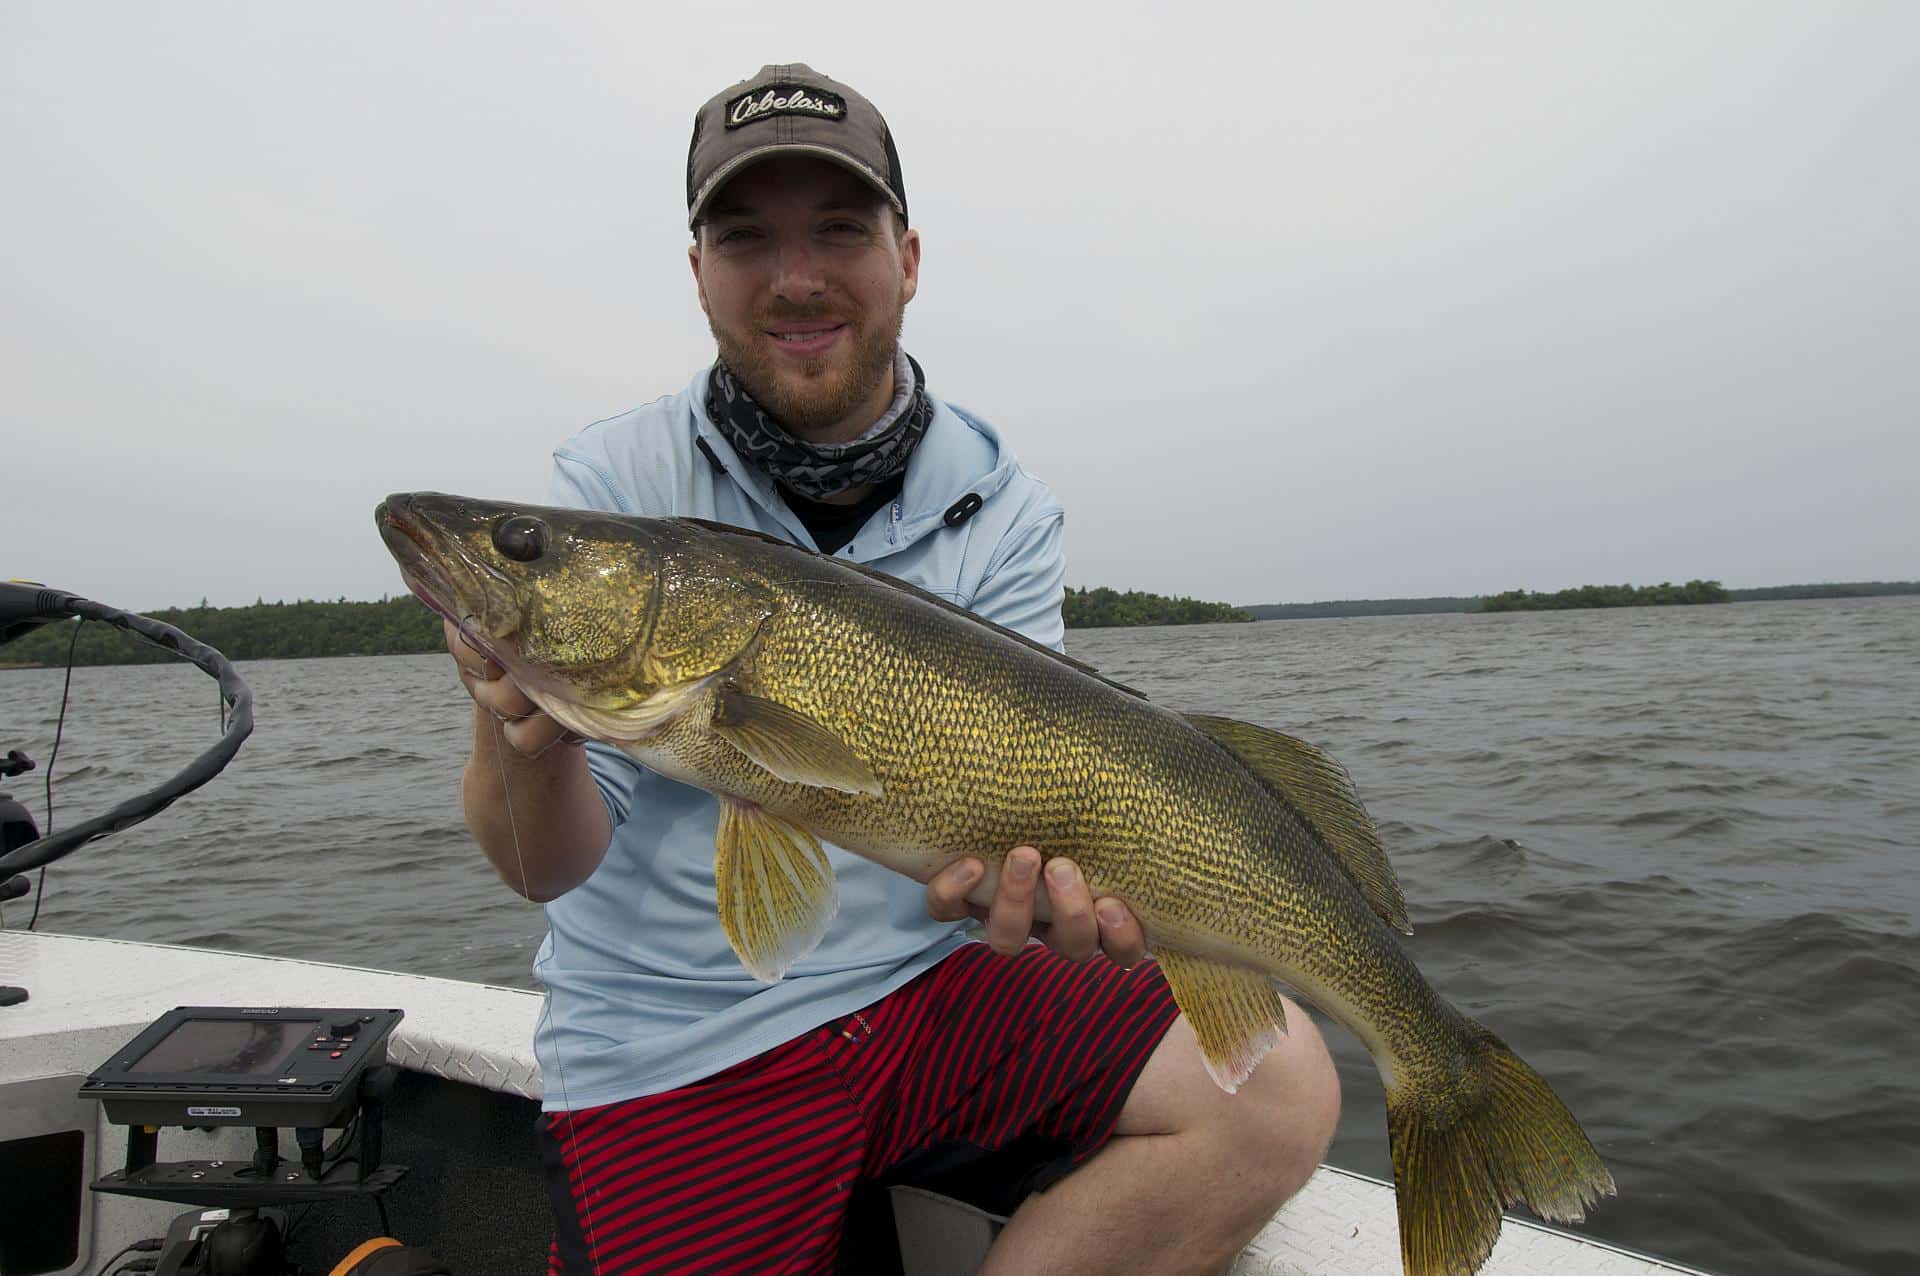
1320, 790
789, 744
777, 892
1236, 1013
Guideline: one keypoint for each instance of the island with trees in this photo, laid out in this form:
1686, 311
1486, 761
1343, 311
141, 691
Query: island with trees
1104, 608
1665, 594
1349, 607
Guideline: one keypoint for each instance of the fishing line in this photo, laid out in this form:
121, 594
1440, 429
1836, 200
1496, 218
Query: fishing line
506, 789
59, 727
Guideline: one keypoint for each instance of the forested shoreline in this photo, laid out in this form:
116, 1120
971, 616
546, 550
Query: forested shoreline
1665, 594
262, 631
402, 625
1349, 607
1104, 608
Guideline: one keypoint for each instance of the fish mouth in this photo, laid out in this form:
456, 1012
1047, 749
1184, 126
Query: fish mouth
423, 569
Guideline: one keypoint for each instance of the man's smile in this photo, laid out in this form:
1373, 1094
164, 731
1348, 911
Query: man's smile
806, 339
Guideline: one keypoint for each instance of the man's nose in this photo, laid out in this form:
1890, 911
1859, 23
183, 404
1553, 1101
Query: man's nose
797, 272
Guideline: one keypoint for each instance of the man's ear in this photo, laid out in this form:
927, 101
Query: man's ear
909, 265
699, 284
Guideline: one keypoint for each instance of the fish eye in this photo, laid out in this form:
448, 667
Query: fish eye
522, 538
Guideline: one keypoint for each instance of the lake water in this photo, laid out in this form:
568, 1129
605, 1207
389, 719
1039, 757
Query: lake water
1667, 853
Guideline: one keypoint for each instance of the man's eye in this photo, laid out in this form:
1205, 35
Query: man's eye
845, 228
737, 235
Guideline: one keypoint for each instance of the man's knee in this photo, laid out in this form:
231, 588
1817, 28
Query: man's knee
1272, 1134
1283, 1119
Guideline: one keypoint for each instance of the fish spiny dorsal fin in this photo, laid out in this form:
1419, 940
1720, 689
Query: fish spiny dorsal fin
894, 582
1322, 791
1235, 1013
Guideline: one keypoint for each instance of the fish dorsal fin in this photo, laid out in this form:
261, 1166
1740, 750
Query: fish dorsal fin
1321, 790
894, 582
789, 744
1236, 1013
776, 890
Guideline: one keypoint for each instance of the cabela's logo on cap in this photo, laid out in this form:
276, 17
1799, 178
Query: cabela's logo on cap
785, 99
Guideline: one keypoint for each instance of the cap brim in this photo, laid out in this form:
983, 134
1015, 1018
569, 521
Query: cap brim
727, 170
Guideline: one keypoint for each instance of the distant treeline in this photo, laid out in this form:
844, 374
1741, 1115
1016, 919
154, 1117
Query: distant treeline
264, 631
1665, 594
402, 625
1361, 607
1105, 608
1849, 589
1429, 606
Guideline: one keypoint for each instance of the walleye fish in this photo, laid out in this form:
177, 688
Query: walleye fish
821, 700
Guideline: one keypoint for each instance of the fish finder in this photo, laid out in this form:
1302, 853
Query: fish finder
308, 1067
243, 1065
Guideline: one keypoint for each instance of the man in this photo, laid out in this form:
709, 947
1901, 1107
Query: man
697, 1120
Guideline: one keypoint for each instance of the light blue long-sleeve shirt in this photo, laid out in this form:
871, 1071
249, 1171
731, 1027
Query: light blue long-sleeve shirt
643, 993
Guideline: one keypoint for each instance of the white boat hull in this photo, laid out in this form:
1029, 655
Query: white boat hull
475, 1086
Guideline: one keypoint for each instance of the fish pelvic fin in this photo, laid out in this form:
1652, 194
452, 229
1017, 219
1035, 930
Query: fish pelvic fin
777, 892
789, 744
1236, 1013
1501, 1136
1320, 789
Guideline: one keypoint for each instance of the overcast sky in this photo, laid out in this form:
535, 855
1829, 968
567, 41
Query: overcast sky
1287, 301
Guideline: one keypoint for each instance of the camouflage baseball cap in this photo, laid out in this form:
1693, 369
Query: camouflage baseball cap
790, 109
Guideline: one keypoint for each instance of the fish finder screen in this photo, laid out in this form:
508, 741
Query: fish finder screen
226, 1047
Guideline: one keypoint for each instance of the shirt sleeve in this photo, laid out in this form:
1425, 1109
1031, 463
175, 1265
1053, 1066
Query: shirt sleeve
577, 482
1025, 589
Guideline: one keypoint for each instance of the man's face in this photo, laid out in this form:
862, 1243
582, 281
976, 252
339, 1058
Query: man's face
805, 279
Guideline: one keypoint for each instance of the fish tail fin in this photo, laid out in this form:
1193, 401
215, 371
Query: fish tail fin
1500, 1135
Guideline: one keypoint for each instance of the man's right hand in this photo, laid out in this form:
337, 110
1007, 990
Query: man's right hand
533, 805
527, 729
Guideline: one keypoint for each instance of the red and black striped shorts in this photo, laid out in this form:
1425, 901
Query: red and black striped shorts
995, 1073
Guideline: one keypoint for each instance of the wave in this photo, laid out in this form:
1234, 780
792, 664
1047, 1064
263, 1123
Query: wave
379, 755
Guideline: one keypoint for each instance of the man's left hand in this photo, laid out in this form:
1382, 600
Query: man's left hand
1080, 927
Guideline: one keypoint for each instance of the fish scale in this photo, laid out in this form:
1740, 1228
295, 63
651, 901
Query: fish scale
820, 700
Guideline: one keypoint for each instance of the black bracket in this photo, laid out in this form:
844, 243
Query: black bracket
241, 1181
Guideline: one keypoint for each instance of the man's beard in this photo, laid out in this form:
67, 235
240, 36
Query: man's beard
820, 401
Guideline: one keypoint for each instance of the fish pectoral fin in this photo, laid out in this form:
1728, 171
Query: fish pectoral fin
1320, 789
776, 890
1236, 1013
789, 744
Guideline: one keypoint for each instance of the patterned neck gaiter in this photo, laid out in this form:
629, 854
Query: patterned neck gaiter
821, 470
